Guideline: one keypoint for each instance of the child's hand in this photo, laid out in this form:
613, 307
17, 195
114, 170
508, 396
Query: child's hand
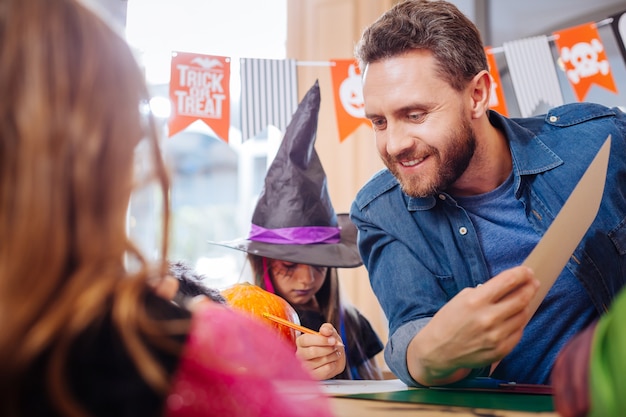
166, 287
323, 356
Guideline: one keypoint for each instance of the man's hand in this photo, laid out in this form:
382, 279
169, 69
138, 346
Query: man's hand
478, 327
324, 356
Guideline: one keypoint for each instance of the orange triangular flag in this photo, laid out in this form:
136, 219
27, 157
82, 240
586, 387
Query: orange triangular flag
348, 94
199, 90
584, 59
496, 99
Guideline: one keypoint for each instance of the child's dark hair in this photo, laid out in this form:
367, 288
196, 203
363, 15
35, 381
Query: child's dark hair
191, 283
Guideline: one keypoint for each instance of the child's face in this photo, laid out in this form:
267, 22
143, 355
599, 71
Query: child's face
297, 283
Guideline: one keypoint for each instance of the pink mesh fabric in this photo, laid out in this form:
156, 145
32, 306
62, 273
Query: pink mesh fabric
235, 366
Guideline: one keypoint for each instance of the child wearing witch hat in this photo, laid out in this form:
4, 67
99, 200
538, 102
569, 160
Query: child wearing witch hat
295, 245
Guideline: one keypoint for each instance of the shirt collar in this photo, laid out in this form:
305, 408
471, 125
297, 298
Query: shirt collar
530, 155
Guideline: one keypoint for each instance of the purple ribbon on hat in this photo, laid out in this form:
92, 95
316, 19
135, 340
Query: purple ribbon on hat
295, 235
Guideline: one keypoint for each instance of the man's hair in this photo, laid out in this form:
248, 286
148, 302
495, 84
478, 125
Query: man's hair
435, 26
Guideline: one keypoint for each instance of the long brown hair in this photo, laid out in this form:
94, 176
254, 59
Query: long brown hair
70, 121
332, 308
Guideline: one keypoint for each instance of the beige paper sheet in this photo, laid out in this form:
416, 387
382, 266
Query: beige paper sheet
556, 246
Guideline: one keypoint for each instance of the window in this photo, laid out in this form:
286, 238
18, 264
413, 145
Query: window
214, 184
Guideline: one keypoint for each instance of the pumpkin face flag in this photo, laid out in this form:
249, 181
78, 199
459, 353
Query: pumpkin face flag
256, 301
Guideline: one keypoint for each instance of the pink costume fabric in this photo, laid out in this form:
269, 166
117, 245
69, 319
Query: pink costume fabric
236, 366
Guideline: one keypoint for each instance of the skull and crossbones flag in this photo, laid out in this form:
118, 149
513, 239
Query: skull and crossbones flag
533, 75
618, 24
583, 59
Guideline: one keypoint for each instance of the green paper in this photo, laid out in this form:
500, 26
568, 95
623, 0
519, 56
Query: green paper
470, 399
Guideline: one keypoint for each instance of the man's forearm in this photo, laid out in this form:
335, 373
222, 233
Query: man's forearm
428, 373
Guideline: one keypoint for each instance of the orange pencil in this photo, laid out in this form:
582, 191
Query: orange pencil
294, 326
287, 323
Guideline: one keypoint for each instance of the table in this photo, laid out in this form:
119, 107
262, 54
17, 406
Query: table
344, 405
347, 407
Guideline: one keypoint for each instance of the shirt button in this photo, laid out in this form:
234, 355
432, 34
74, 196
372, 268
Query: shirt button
553, 119
463, 231
442, 197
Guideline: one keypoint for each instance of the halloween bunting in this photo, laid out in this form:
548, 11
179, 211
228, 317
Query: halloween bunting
584, 60
348, 94
199, 90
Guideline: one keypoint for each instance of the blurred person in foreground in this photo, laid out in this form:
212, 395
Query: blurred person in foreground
83, 331
466, 195
589, 375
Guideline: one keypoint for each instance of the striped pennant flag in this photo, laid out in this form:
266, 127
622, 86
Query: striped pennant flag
269, 94
533, 74
618, 23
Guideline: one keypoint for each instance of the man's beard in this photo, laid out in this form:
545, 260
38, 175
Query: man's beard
458, 154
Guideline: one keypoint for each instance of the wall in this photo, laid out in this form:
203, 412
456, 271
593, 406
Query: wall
509, 20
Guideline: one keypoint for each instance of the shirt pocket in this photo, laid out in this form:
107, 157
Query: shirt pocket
448, 285
618, 237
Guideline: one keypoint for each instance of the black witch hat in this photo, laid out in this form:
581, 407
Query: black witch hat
294, 219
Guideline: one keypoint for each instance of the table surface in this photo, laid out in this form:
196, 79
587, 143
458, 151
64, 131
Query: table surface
344, 406
348, 407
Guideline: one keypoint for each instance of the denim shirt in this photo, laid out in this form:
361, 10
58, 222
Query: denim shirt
420, 252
